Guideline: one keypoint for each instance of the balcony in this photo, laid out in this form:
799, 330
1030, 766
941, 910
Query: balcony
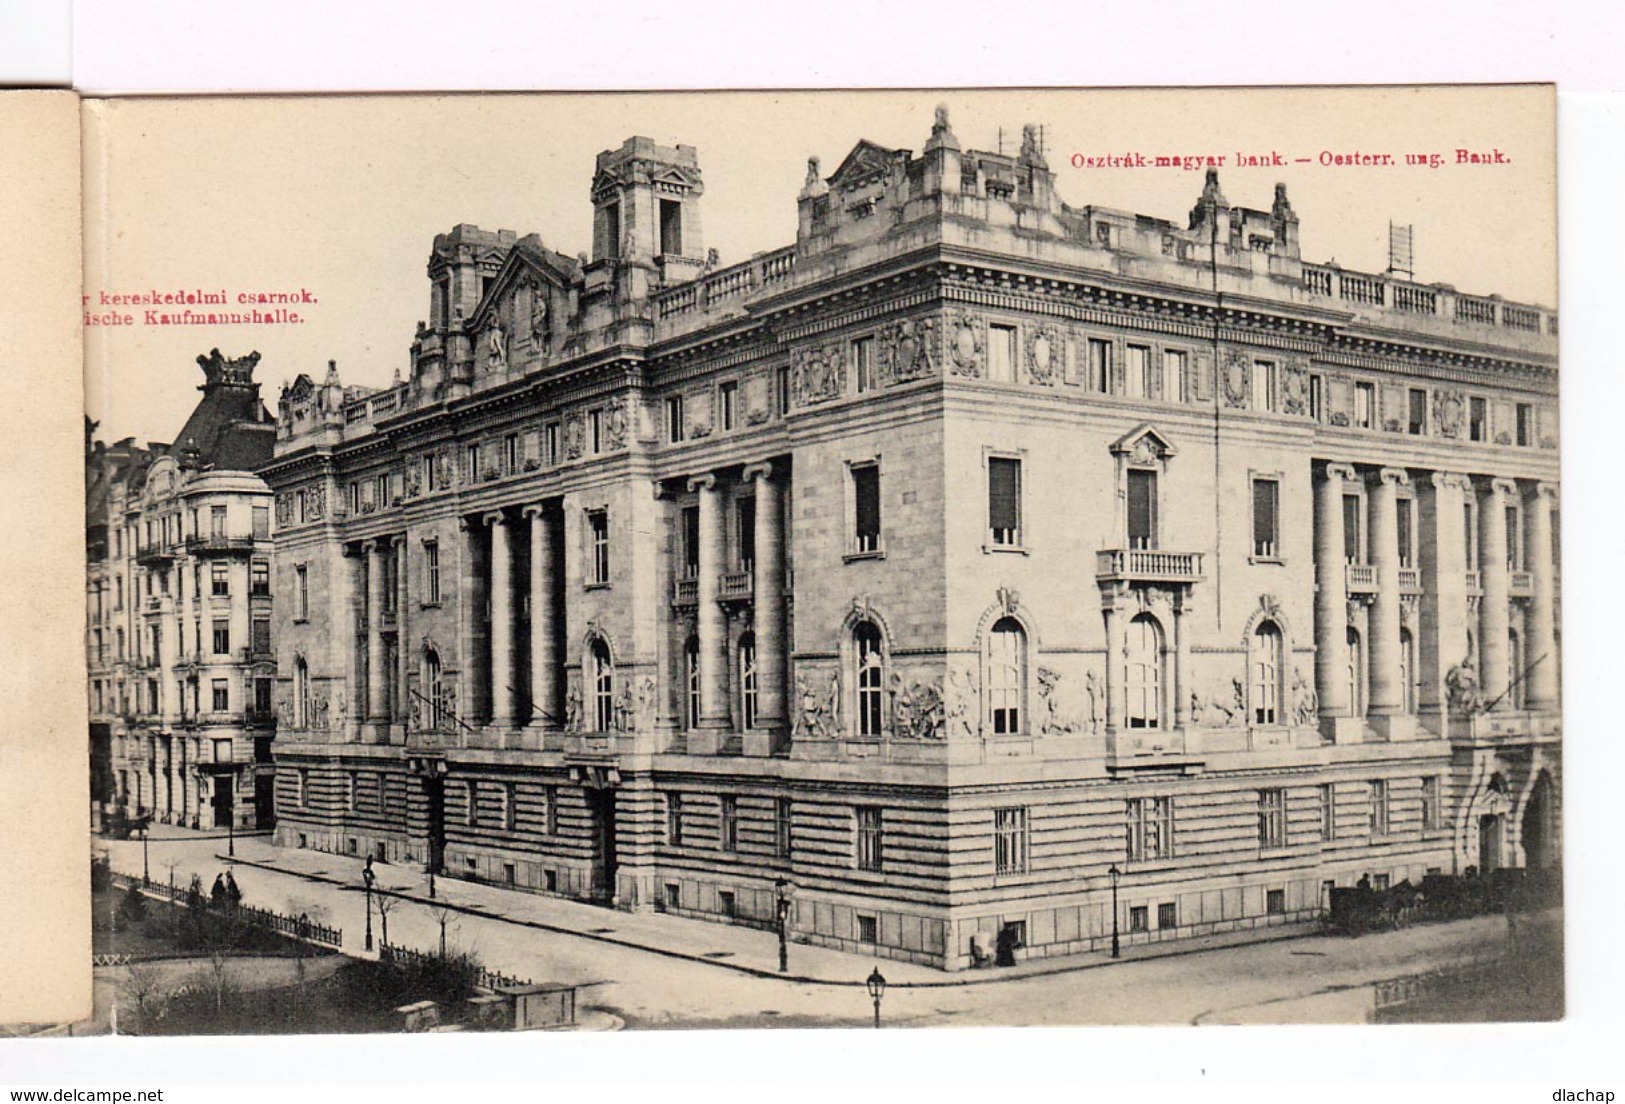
1410, 580
685, 592
1475, 582
1362, 578
218, 545
732, 586
1521, 583
1147, 565
736, 586
154, 604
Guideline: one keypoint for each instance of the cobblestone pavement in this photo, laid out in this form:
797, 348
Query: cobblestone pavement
665, 971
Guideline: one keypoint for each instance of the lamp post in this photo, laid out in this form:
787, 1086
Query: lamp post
1114, 874
231, 815
366, 877
786, 896
877, 989
146, 830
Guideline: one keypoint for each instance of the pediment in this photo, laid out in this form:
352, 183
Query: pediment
866, 162
300, 390
1144, 444
674, 177
523, 267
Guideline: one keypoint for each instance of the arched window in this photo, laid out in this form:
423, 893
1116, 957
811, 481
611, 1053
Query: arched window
301, 693
434, 690
1515, 670
1142, 679
1006, 676
691, 679
603, 687
1407, 669
1356, 674
1265, 664
747, 680
871, 679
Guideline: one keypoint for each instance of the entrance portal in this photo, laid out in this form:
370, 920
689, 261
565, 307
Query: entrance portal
601, 807
1539, 844
222, 802
1489, 844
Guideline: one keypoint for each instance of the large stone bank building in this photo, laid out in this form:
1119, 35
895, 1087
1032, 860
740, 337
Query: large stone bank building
938, 563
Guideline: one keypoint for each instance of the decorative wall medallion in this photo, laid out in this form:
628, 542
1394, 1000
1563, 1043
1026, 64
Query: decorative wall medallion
1447, 412
1043, 354
1235, 378
910, 351
818, 374
758, 398
1295, 390
966, 343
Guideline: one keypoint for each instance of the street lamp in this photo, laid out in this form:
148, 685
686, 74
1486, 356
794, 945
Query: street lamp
877, 989
231, 815
146, 830
1114, 874
787, 893
367, 876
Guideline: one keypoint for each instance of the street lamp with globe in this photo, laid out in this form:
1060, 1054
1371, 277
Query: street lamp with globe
877, 989
1114, 874
367, 877
786, 901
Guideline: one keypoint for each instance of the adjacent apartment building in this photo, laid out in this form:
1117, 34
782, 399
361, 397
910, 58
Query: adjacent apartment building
182, 668
968, 554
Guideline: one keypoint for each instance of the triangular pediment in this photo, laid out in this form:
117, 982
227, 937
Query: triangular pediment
525, 264
866, 162
674, 176
1144, 443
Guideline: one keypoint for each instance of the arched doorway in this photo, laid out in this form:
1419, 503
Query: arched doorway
1539, 842
1489, 843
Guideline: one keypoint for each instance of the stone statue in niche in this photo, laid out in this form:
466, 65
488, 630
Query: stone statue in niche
625, 711
572, 709
966, 344
318, 712
1305, 702
1461, 688
540, 319
496, 346
646, 703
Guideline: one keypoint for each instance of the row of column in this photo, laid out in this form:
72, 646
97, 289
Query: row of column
1442, 497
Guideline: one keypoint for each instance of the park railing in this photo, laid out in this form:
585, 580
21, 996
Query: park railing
407, 957
300, 927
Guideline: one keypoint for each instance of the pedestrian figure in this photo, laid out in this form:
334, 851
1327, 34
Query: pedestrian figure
218, 893
1364, 883
234, 896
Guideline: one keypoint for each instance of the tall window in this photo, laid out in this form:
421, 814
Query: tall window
1266, 518
1356, 673
595, 431
603, 687
1001, 354
1526, 424
1407, 670
1264, 385
219, 695
871, 679
1353, 529
1430, 803
1271, 818
690, 520
434, 709
1142, 508
1478, 419
301, 693
550, 442
301, 593
598, 530
727, 405
674, 819
217, 521
728, 827
1317, 397
1100, 365
1378, 794
674, 418
222, 636
745, 522
1405, 530
1010, 841
1516, 670
691, 679
1004, 501
782, 827
871, 838
1006, 676
262, 522
1365, 403
1469, 532
863, 363
431, 572
747, 680
1173, 376
220, 579
1514, 518
1149, 828
1417, 410
671, 227
1142, 679
1137, 370
1328, 811
259, 582
866, 507
1265, 662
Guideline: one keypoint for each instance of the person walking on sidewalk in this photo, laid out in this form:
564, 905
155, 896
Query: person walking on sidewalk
234, 896
217, 895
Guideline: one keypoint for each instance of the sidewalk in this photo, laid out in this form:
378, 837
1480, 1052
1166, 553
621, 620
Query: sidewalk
731, 947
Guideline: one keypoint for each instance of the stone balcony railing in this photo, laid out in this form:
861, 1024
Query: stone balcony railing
1475, 582
1410, 580
1521, 583
1147, 565
732, 586
1442, 301
218, 545
726, 285
1362, 578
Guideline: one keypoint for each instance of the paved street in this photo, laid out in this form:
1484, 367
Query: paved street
663, 971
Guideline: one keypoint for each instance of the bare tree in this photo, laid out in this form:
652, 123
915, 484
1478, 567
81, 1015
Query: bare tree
385, 904
144, 985
443, 915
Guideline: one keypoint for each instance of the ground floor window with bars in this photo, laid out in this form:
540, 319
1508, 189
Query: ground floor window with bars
1271, 818
1150, 828
1010, 841
871, 839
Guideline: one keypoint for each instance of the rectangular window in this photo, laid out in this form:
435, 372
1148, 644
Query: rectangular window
1001, 354
1271, 818
674, 819
1379, 882
1264, 385
1275, 902
220, 579
1139, 918
1010, 841
1328, 811
1317, 397
863, 363
727, 405
510, 453
262, 696
1469, 530
1526, 426
671, 227
550, 810
222, 636
1150, 828
868, 930
1167, 915
1416, 421
690, 520
1173, 376
1353, 530
782, 827
262, 522
431, 572
598, 527
509, 807
1406, 532
595, 431
259, 582
1142, 508
866, 507
1266, 519
1514, 539
612, 231
550, 441
1430, 804
728, 824
674, 418
1100, 365
474, 473
782, 376
1365, 403
219, 695
745, 531
1379, 807
1137, 365
301, 592
1004, 501
871, 839
352, 787
259, 635
1478, 419
217, 521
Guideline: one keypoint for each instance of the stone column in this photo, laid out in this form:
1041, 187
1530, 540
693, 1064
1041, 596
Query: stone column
346, 610
377, 691
1114, 662
1331, 594
667, 649
1542, 621
1442, 639
768, 590
402, 706
1493, 608
713, 629
1387, 691
1182, 663
502, 674
468, 597
544, 657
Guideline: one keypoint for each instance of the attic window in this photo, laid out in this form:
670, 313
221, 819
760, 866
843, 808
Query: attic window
671, 228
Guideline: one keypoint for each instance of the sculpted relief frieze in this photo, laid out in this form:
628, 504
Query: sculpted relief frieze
1046, 352
909, 351
818, 374
967, 343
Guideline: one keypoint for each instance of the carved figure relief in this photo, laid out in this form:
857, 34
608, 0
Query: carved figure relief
701, 414
1447, 412
910, 351
1305, 702
572, 707
1221, 708
818, 374
1097, 696
960, 704
1461, 688
815, 715
1235, 378
284, 510
758, 398
574, 437
647, 696
1044, 354
1295, 390
917, 710
540, 317
315, 502
1053, 719
624, 716
496, 346
615, 425
966, 344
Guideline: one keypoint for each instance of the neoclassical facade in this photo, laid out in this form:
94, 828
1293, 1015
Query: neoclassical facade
966, 549
182, 668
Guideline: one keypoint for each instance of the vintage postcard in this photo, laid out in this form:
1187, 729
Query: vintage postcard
822, 559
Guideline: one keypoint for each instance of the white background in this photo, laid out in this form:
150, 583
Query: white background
304, 45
